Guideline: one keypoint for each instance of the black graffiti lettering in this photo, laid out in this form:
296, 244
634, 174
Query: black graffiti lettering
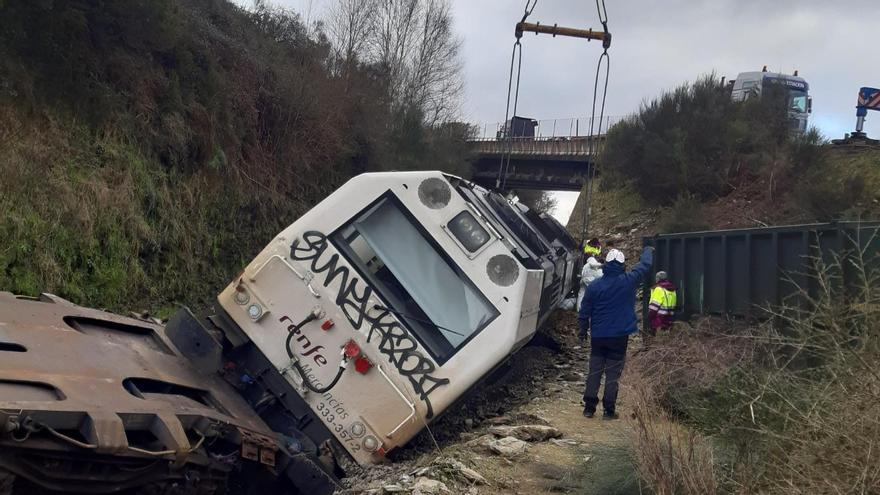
354, 306
395, 342
401, 350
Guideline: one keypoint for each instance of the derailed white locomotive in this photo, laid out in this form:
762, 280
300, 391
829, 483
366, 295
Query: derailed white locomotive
391, 298
354, 328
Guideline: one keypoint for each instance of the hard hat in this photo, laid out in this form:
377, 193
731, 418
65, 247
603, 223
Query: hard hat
661, 275
615, 255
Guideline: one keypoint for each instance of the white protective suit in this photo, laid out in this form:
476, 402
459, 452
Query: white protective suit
591, 271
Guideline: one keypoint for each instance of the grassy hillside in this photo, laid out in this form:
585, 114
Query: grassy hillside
695, 160
149, 149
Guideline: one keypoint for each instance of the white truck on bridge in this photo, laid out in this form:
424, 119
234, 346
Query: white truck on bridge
752, 84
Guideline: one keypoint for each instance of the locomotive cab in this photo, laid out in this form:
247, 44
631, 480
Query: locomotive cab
382, 305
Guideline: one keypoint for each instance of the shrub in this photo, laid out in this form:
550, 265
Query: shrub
694, 140
844, 185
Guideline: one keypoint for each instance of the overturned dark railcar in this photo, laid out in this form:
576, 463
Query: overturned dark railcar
742, 272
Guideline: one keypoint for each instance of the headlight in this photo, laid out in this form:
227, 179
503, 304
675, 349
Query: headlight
468, 231
242, 297
371, 444
358, 429
255, 311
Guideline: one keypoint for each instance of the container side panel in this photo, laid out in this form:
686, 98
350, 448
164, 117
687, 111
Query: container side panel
791, 267
691, 281
738, 265
714, 283
763, 272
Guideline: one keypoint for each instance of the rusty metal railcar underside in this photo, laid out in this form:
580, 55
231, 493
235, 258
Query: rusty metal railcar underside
92, 402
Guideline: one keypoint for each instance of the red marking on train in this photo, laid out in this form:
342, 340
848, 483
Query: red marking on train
362, 365
351, 349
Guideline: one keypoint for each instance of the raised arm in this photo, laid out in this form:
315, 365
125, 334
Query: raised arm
637, 274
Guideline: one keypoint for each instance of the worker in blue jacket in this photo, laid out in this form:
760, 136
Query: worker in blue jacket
608, 311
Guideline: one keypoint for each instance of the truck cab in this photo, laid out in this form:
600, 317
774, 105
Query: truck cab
752, 84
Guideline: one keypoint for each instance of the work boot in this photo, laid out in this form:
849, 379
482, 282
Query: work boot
588, 413
609, 415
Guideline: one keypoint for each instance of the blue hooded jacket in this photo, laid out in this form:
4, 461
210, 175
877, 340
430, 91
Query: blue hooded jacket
609, 306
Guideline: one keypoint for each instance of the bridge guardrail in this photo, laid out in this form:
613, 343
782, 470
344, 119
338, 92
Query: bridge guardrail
548, 128
559, 146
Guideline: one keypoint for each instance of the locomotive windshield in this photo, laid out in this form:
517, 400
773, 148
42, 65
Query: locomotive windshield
425, 289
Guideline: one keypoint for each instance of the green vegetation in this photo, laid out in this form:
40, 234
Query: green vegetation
149, 149
693, 146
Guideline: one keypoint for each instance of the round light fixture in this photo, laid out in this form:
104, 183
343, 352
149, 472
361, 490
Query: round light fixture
255, 311
358, 429
434, 193
242, 297
371, 444
502, 270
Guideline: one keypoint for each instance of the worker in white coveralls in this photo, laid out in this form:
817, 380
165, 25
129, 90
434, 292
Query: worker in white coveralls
592, 269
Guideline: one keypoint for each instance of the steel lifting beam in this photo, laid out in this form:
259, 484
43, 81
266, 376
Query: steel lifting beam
555, 30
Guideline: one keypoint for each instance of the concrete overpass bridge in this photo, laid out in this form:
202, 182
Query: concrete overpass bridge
557, 158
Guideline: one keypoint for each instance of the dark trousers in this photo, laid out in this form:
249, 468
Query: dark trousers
607, 355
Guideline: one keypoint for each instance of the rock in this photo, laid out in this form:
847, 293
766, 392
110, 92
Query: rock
465, 472
457, 469
473, 476
508, 447
482, 441
499, 420
469, 422
427, 486
421, 471
528, 433
563, 442
393, 488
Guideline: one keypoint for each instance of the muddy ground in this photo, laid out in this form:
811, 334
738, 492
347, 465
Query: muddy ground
541, 385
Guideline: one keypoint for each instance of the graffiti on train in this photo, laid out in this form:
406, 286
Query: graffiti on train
353, 298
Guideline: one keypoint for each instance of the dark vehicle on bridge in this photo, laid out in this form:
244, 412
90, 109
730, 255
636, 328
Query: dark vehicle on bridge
518, 127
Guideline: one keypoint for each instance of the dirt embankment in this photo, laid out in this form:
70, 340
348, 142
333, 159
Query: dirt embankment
618, 218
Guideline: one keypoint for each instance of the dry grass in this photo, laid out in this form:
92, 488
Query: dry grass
786, 409
672, 458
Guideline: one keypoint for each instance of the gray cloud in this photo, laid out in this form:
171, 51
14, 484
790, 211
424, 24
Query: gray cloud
657, 45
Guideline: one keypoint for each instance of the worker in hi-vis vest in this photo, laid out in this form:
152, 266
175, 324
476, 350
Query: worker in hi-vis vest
661, 308
592, 269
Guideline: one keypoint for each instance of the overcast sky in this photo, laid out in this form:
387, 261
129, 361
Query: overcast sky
657, 45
